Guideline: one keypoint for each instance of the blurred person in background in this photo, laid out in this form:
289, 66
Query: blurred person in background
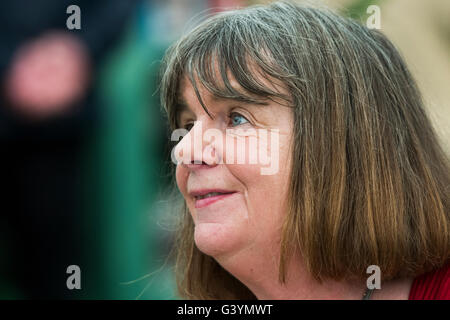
47, 114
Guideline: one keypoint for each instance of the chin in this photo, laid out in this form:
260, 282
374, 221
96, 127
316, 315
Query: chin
215, 239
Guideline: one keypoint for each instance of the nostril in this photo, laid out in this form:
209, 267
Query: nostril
198, 162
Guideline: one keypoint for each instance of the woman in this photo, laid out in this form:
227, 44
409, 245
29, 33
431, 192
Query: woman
361, 179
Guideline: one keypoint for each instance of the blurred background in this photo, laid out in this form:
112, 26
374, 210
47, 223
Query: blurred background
85, 169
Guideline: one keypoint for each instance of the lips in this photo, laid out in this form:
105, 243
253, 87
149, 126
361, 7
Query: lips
206, 197
209, 195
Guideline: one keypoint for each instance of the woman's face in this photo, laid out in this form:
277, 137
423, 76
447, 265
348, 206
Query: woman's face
245, 213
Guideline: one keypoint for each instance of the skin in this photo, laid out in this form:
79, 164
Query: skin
242, 232
245, 221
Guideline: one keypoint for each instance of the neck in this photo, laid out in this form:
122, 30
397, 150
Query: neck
259, 273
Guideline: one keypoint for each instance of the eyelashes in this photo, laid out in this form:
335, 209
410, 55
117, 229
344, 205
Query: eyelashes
235, 119
188, 126
235, 115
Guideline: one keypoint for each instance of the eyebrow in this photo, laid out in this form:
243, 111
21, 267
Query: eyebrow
183, 106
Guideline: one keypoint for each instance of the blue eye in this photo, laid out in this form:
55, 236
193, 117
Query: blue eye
237, 119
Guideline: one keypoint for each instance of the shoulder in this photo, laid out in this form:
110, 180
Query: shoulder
434, 285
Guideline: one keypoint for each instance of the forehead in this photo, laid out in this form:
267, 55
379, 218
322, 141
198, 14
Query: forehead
189, 103
187, 97
268, 113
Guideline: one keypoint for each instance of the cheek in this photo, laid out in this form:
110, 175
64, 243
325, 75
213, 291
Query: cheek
254, 154
264, 194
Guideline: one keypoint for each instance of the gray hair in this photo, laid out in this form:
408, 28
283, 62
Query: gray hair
280, 40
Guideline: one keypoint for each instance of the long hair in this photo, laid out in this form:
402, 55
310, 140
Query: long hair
370, 181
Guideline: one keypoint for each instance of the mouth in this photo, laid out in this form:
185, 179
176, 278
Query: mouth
204, 198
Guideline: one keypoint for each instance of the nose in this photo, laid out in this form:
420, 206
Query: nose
197, 149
